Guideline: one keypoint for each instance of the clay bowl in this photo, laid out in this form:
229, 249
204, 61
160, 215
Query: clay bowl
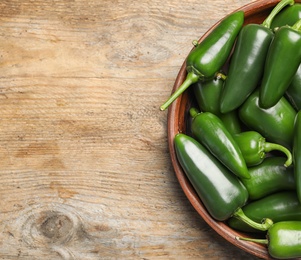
178, 120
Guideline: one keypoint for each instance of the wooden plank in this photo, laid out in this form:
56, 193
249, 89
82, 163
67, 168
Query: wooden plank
85, 169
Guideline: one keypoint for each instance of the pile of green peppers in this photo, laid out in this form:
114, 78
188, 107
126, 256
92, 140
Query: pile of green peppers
242, 149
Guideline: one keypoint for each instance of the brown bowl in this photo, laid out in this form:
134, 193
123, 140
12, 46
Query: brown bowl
177, 122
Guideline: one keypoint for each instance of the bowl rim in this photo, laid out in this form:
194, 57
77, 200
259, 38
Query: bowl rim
176, 119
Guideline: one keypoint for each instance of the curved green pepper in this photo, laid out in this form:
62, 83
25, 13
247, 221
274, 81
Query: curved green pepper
208, 57
288, 16
284, 49
281, 206
293, 93
269, 177
283, 240
220, 191
297, 153
207, 94
210, 131
254, 148
247, 62
276, 124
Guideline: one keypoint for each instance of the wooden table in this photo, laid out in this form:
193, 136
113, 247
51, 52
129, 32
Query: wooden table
85, 167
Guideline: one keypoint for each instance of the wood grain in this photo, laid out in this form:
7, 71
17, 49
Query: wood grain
85, 169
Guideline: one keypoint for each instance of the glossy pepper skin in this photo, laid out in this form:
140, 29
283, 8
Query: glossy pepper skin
254, 148
210, 131
288, 16
207, 94
293, 93
231, 122
220, 191
297, 153
211, 54
284, 49
280, 206
276, 124
208, 57
247, 62
246, 65
269, 177
283, 240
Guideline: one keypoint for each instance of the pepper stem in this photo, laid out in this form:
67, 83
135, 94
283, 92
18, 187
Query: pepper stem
268, 21
190, 79
265, 225
272, 146
260, 241
220, 75
193, 112
297, 26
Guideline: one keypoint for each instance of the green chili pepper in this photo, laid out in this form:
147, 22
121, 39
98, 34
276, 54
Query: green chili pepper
254, 148
207, 94
210, 131
220, 191
209, 56
283, 240
297, 153
276, 124
287, 16
293, 93
269, 177
247, 62
280, 206
284, 49
231, 122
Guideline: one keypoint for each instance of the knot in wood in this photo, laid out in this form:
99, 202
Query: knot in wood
56, 227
